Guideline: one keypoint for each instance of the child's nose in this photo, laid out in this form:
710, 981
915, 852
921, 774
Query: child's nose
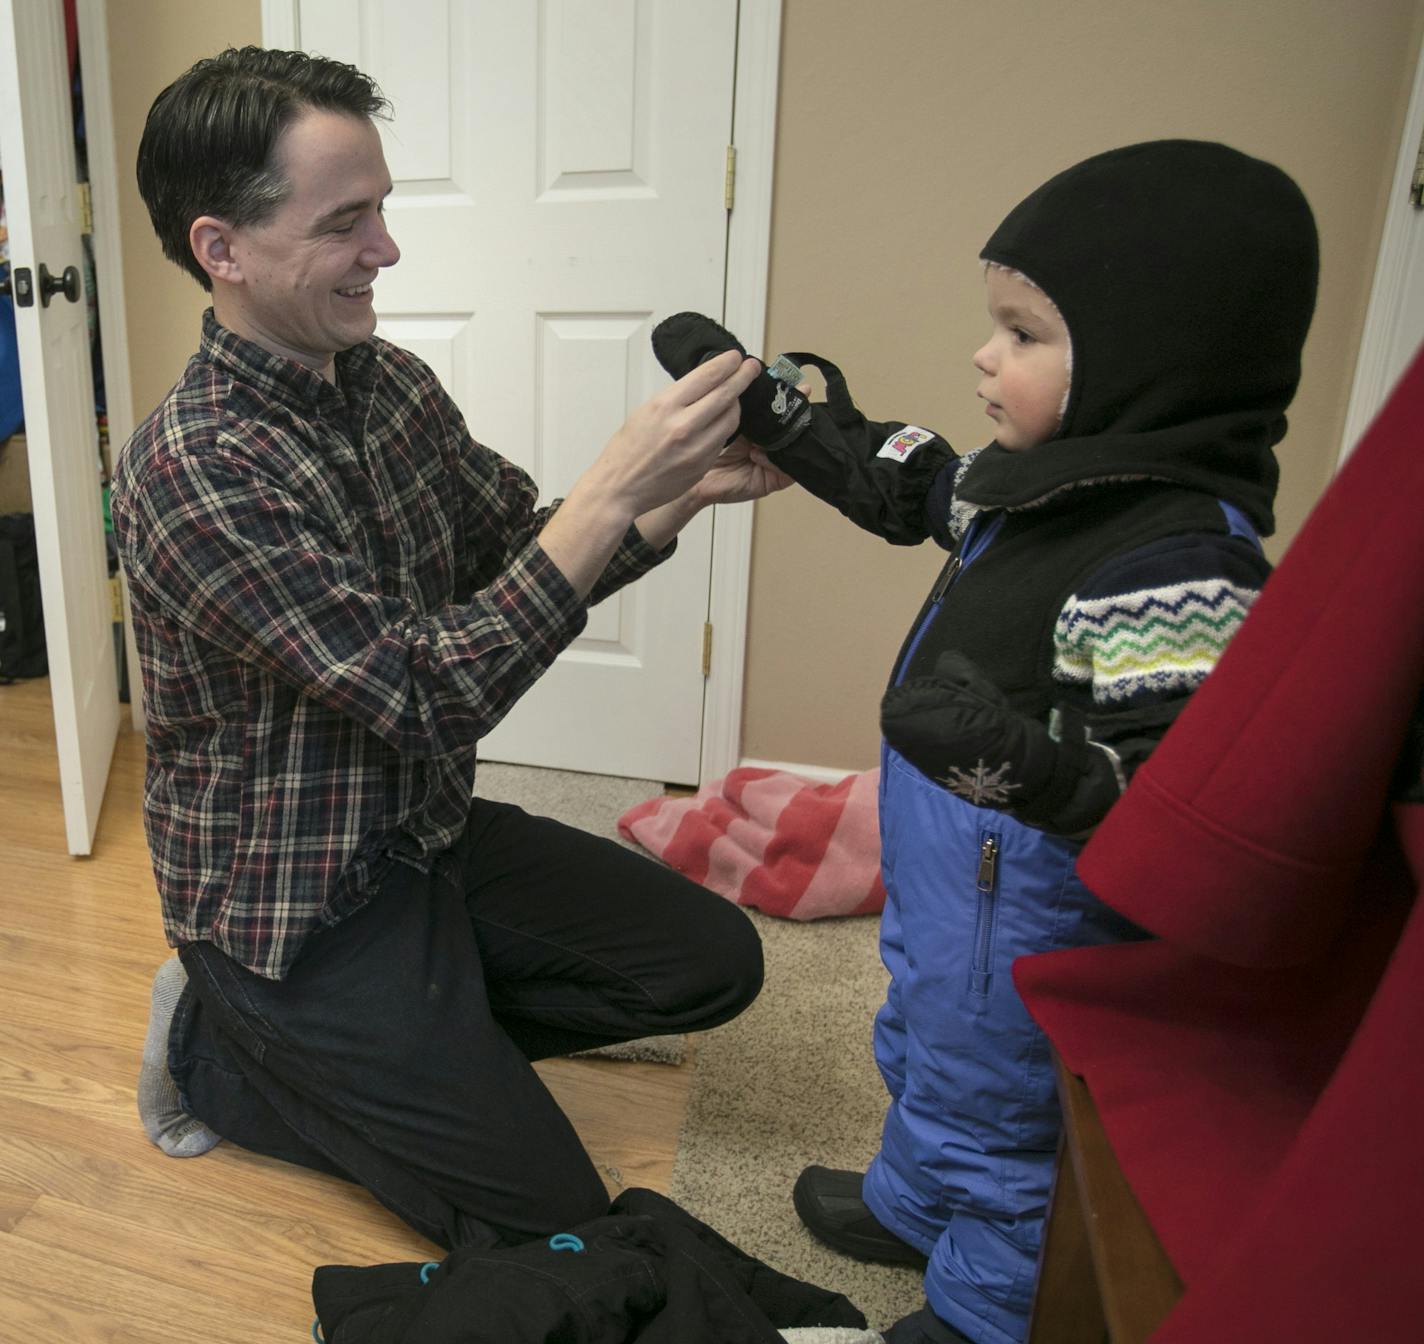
983, 357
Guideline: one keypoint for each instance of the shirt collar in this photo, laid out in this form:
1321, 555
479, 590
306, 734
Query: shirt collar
284, 380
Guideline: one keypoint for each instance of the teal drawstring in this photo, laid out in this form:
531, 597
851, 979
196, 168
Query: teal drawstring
565, 1241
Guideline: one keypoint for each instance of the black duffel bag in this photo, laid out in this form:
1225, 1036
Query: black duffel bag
22, 633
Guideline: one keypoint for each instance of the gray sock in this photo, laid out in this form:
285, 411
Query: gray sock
164, 1121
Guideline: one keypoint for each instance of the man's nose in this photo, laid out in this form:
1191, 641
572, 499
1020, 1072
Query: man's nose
382, 249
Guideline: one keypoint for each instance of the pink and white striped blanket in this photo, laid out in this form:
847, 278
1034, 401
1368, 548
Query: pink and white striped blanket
770, 839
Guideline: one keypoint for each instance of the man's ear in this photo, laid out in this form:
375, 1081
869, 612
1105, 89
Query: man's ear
211, 241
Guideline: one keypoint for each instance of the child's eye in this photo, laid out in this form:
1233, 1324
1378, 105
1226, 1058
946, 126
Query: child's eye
1021, 337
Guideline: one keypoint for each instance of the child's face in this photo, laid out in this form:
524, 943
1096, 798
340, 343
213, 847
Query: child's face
1024, 361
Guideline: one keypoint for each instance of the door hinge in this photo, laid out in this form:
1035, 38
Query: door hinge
86, 209
706, 649
1416, 185
729, 191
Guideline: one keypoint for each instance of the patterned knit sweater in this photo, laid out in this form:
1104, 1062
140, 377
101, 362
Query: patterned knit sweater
1151, 625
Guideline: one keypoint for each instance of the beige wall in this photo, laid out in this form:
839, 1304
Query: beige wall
907, 129
151, 42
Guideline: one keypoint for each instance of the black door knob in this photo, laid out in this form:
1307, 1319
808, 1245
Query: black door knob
66, 284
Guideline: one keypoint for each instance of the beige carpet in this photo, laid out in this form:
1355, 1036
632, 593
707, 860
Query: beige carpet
789, 1082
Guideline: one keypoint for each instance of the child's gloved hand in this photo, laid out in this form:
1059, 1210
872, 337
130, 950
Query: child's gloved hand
774, 409
957, 728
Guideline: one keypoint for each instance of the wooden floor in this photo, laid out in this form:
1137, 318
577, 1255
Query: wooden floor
102, 1238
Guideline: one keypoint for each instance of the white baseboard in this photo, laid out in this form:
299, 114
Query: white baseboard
819, 774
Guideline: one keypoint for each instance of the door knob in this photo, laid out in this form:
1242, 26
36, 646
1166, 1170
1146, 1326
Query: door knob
66, 284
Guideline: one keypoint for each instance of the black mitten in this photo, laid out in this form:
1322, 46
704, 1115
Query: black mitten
957, 728
773, 411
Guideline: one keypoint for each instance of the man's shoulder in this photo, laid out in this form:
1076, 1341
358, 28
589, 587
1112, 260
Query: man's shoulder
207, 407
190, 409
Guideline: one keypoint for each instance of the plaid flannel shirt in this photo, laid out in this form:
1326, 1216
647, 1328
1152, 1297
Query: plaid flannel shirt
336, 592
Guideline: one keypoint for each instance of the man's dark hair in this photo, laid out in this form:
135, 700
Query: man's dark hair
209, 144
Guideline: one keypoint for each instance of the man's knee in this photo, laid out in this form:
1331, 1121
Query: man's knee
732, 962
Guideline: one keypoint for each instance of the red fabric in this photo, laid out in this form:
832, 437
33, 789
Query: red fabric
770, 839
71, 37
1258, 1069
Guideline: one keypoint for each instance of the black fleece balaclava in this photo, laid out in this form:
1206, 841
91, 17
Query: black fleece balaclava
1186, 274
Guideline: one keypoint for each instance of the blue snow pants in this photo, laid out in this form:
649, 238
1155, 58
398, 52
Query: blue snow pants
967, 1150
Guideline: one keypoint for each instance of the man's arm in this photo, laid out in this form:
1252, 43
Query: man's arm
649, 472
227, 551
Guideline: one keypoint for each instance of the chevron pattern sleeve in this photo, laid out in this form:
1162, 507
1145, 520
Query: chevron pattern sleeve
1148, 627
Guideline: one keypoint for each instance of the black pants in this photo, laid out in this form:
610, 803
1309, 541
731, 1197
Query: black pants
397, 1051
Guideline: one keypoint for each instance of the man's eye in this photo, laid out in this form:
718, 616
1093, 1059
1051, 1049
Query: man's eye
347, 229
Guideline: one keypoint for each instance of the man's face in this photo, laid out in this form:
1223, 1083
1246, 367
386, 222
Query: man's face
305, 272
1024, 362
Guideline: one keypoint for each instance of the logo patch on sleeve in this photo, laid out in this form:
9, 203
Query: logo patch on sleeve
904, 442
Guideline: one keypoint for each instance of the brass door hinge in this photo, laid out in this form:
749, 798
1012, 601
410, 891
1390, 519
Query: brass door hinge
706, 649
729, 190
86, 209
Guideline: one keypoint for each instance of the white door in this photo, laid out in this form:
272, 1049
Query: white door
559, 169
52, 333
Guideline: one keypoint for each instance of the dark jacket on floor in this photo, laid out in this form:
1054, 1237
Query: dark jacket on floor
648, 1271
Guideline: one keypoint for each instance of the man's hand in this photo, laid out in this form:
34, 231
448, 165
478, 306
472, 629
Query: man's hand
744, 471
669, 442
741, 473
648, 469
773, 412
957, 728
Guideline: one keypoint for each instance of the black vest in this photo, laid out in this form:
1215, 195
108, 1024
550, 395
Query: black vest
1001, 609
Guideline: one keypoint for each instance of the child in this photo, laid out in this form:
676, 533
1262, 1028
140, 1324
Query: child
1148, 308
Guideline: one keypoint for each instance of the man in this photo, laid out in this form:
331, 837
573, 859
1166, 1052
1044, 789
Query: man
336, 593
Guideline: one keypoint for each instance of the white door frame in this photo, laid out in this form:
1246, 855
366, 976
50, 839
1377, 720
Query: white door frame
748, 260
1378, 364
748, 263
